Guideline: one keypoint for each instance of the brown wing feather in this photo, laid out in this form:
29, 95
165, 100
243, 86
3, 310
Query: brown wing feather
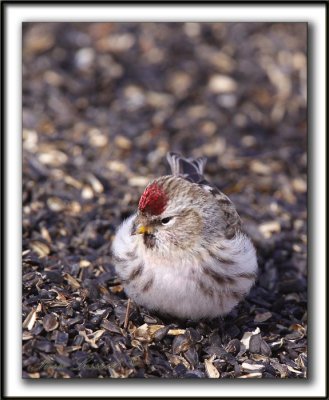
192, 171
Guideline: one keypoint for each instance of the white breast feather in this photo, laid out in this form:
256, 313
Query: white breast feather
176, 281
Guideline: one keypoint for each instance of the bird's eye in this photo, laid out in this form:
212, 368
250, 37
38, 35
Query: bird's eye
166, 220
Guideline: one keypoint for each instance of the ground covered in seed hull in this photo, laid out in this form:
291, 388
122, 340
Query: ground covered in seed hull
102, 104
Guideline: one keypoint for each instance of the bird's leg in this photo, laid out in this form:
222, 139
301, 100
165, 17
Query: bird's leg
221, 328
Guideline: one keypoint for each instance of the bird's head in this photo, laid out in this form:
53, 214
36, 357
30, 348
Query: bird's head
168, 217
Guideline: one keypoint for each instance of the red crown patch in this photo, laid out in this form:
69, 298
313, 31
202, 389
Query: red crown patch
153, 201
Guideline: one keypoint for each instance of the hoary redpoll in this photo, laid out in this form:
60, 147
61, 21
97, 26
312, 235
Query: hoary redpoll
183, 253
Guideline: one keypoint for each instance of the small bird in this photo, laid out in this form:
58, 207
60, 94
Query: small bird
184, 253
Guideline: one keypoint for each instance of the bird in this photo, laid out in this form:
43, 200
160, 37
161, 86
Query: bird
184, 252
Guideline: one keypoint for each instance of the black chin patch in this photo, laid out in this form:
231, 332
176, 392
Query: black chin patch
149, 240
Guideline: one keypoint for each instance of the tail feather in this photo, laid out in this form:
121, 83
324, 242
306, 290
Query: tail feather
186, 166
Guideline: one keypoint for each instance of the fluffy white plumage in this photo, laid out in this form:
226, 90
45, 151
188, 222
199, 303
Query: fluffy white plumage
203, 274
175, 289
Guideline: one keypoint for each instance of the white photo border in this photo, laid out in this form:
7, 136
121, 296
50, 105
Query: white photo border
312, 12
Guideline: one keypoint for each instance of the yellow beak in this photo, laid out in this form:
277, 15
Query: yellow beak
141, 229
